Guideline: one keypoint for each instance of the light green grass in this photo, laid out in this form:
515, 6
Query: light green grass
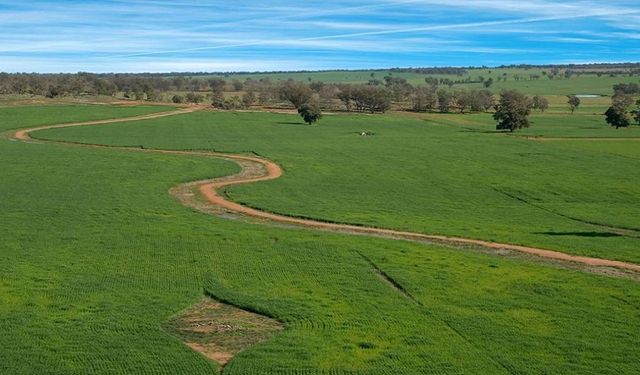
28, 116
450, 174
96, 256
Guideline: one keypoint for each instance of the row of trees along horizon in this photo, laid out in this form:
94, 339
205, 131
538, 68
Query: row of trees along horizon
309, 98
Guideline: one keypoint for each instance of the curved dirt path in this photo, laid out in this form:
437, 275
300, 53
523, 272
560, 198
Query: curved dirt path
255, 169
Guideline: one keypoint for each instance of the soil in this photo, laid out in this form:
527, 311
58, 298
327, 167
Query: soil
220, 331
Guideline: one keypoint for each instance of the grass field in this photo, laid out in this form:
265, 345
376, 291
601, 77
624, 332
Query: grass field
96, 255
25, 116
584, 84
425, 175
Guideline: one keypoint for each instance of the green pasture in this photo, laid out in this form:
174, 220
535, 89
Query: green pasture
96, 255
14, 117
584, 84
441, 174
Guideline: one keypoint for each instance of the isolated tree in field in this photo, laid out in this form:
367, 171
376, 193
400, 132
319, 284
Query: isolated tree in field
512, 112
617, 115
574, 102
310, 113
540, 103
298, 93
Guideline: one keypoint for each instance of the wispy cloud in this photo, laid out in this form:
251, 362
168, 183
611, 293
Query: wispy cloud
245, 35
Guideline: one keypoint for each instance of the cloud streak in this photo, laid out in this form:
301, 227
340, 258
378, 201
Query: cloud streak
242, 35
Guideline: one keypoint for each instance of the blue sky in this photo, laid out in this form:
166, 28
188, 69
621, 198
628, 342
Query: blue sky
239, 35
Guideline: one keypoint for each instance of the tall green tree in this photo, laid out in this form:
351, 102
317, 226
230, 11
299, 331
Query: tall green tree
618, 114
310, 112
512, 111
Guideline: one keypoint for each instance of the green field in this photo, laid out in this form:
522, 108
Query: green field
96, 255
423, 175
583, 84
26, 116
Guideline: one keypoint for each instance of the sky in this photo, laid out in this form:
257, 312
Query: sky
273, 35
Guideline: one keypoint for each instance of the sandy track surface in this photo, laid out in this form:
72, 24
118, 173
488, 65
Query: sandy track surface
255, 169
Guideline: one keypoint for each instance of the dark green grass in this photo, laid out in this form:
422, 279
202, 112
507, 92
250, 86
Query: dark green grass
450, 174
26, 116
96, 256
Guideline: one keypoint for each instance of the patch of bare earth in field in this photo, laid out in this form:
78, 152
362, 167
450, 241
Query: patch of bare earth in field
219, 331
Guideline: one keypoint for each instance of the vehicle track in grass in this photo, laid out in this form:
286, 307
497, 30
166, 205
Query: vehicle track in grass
208, 196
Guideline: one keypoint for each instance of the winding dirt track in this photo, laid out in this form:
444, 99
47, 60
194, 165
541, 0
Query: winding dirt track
255, 169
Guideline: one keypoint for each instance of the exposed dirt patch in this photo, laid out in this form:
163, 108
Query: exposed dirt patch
220, 331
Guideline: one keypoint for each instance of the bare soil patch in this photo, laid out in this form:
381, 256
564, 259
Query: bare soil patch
220, 331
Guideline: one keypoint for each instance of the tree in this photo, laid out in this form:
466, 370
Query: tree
248, 98
217, 84
297, 93
540, 103
177, 99
445, 100
310, 112
192, 97
636, 112
463, 99
346, 96
424, 99
370, 98
574, 102
617, 115
237, 85
484, 100
512, 111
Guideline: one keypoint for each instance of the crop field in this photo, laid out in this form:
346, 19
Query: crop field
97, 257
583, 84
424, 174
25, 116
